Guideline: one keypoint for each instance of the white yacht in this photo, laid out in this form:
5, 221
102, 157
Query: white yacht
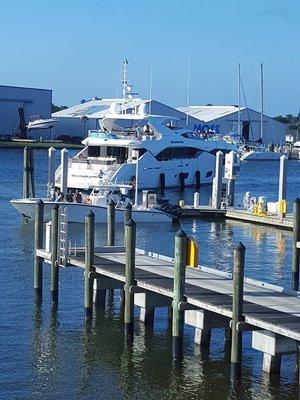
261, 155
38, 122
166, 154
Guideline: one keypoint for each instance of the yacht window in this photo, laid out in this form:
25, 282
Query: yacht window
93, 151
171, 153
208, 174
191, 135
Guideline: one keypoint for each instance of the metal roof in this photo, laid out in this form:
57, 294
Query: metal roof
209, 113
95, 108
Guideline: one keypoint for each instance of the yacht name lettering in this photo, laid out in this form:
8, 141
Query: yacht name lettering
176, 141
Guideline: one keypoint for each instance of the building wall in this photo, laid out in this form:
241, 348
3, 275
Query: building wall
34, 102
74, 127
273, 131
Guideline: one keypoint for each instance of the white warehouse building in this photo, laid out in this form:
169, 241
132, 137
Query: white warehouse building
33, 101
223, 120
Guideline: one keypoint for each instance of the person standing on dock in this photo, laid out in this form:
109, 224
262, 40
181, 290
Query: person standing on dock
60, 197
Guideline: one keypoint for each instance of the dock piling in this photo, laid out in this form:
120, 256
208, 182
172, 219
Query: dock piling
196, 199
28, 177
111, 225
296, 239
282, 183
64, 171
217, 187
237, 311
54, 256
178, 296
130, 239
51, 169
38, 244
89, 261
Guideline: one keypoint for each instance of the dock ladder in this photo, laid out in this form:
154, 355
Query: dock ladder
63, 247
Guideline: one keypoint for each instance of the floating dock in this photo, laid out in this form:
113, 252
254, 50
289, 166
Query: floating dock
238, 214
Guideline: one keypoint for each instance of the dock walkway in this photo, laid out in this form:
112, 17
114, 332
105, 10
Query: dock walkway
264, 308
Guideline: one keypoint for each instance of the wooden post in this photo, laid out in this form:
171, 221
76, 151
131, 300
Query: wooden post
38, 244
296, 238
89, 262
237, 311
111, 211
178, 296
26, 168
130, 238
127, 216
54, 256
31, 172
64, 171
51, 169
217, 186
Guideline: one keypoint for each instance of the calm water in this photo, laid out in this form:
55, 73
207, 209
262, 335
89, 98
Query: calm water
53, 356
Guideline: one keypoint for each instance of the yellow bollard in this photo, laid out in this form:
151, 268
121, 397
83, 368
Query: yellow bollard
181, 203
282, 207
192, 253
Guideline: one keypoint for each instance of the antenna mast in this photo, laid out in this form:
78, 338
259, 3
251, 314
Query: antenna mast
125, 83
151, 82
262, 99
239, 100
188, 90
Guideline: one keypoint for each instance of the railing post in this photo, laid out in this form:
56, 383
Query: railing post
178, 296
130, 239
296, 238
38, 244
89, 262
54, 256
111, 211
237, 311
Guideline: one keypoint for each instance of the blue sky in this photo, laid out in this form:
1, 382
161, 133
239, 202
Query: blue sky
76, 48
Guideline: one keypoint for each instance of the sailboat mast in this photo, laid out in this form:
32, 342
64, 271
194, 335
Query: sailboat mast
239, 100
125, 82
136, 178
188, 90
262, 99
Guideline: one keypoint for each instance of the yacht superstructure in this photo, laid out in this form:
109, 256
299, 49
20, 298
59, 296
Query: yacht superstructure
167, 154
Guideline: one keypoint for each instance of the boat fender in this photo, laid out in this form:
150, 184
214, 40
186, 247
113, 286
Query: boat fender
162, 181
197, 177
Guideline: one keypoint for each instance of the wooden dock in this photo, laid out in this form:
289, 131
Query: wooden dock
265, 308
237, 214
272, 220
201, 297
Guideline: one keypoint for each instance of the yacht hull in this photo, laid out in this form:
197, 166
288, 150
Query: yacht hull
261, 156
77, 212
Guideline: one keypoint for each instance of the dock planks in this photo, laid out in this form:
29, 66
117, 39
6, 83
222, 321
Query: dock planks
264, 308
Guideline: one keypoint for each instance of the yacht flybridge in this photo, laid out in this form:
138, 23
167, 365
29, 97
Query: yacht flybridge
165, 154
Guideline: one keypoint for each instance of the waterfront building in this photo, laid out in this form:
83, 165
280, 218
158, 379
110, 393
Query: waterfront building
34, 102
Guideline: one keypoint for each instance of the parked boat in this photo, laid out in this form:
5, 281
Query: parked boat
97, 202
41, 123
168, 155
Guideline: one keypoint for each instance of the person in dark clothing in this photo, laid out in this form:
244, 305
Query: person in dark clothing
69, 196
